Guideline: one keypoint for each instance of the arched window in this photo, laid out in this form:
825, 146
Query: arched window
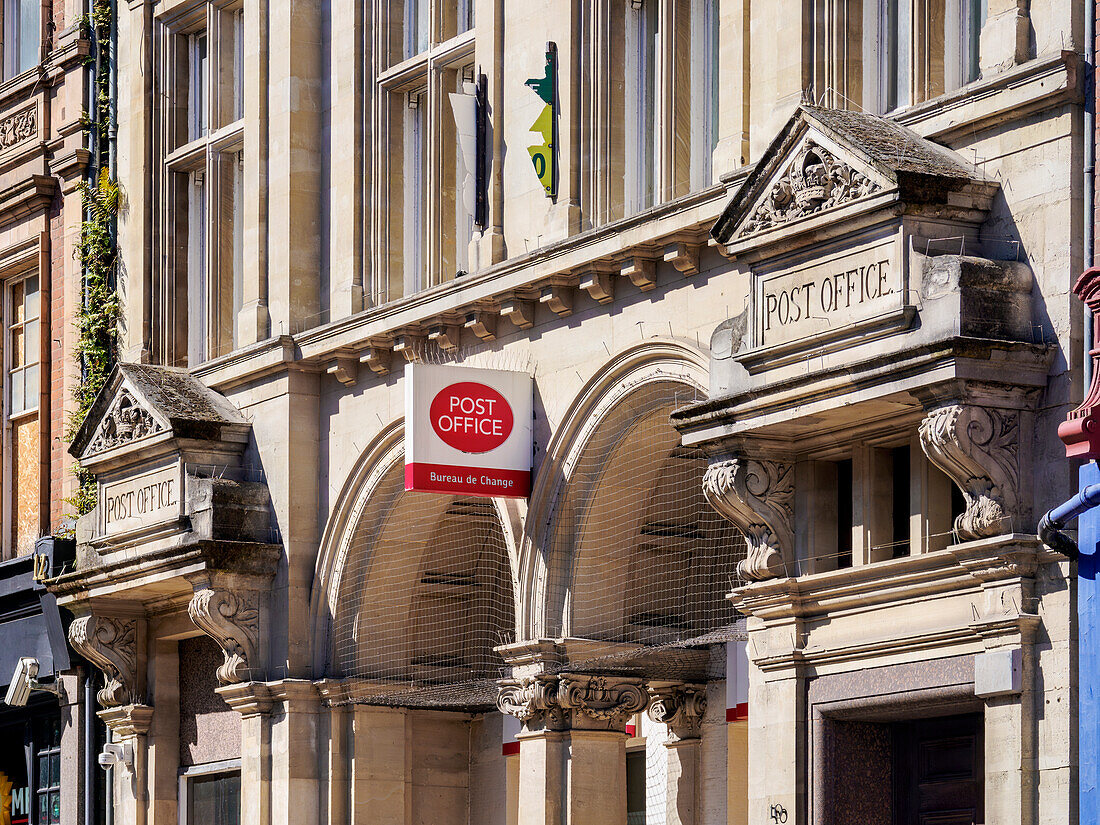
648, 560
425, 596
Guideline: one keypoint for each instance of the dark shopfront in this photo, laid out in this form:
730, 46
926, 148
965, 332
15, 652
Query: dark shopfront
44, 764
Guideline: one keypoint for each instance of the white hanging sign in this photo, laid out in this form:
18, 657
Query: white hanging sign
467, 430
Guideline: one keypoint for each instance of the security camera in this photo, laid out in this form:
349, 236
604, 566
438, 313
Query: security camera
114, 754
19, 691
24, 680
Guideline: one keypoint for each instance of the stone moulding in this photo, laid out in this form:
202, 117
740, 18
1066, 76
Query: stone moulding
232, 619
758, 497
978, 448
111, 645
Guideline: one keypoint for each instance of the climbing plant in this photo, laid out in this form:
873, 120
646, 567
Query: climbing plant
97, 252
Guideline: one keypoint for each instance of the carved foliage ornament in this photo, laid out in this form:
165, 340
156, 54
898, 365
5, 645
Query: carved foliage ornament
978, 448
549, 700
21, 126
758, 497
126, 421
232, 619
109, 644
814, 182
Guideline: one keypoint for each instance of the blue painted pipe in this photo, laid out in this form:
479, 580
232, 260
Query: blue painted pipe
1053, 523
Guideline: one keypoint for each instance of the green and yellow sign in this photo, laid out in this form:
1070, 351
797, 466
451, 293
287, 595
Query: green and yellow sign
543, 154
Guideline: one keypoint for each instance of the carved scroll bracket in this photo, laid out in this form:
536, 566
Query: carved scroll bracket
978, 448
230, 616
679, 706
758, 497
111, 645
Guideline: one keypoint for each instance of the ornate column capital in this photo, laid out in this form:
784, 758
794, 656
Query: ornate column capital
109, 643
573, 701
978, 448
757, 495
680, 706
231, 617
129, 721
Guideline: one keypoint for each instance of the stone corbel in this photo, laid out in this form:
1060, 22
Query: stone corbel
345, 368
446, 336
758, 497
377, 358
679, 706
230, 616
520, 311
978, 448
482, 323
110, 644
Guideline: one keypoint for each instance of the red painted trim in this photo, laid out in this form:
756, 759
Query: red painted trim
467, 481
631, 730
738, 713
509, 748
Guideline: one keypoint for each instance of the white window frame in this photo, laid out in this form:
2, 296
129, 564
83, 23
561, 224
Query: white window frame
13, 26
226, 767
639, 107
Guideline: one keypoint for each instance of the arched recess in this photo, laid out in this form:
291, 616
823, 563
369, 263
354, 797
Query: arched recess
412, 588
622, 545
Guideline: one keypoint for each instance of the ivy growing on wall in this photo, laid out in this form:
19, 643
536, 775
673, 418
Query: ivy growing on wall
97, 317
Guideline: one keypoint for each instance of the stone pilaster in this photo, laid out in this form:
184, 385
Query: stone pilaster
252, 700
680, 707
979, 449
758, 496
295, 787
129, 726
573, 745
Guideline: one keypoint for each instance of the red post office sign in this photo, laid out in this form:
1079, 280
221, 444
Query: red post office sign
467, 430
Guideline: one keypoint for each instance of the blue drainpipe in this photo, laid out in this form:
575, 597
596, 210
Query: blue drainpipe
1084, 552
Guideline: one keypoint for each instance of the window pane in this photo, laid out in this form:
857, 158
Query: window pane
28, 36
216, 800
31, 299
43, 808
55, 769
17, 402
18, 308
198, 95
238, 64
417, 26
18, 350
31, 342
30, 384
55, 807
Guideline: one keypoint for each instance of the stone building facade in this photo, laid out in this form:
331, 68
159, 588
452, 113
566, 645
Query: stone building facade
47, 55
792, 282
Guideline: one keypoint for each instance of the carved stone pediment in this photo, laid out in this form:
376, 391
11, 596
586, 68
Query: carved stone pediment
825, 160
815, 179
127, 420
141, 404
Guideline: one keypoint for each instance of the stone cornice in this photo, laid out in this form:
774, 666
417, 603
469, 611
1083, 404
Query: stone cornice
957, 569
247, 698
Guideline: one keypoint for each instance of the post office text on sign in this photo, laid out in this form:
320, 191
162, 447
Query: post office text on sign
146, 499
821, 296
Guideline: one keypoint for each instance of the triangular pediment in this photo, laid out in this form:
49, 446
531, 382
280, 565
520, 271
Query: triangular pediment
828, 161
141, 404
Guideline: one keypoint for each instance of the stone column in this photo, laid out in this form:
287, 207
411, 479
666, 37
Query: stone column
380, 787
129, 726
253, 701
573, 746
295, 777
680, 707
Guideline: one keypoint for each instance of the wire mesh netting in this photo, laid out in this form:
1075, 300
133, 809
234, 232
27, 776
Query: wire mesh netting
640, 566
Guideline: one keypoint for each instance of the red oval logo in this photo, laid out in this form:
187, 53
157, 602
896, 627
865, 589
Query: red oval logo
471, 417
